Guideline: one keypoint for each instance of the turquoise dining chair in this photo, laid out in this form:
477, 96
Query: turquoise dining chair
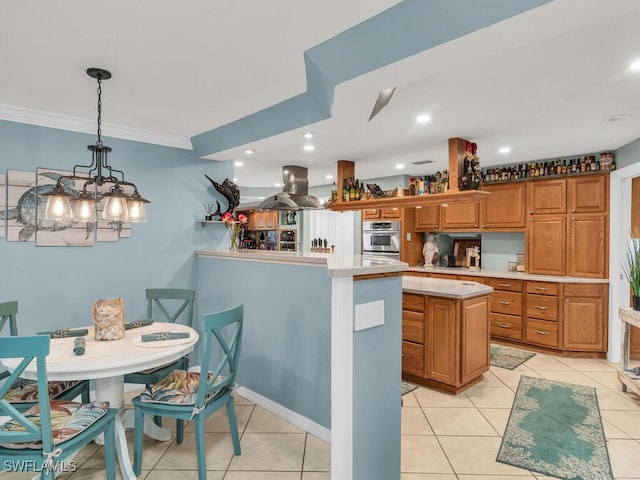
184, 396
50, 431
24, 393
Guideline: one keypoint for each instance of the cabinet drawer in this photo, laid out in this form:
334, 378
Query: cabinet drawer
471, 278
413, 327
507, 326
505, 284
542, 306
542, 332
413, 358
506, 302
585, 289
414, 302
542, 288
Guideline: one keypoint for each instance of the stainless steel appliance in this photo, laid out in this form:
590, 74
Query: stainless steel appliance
381, 238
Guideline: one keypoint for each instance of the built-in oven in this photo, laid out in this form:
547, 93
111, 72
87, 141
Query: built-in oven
381, 238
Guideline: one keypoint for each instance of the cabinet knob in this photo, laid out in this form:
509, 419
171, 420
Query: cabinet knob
475, 226
437, 226
573, 219
531, 219
573, 210
530, 212
484, 226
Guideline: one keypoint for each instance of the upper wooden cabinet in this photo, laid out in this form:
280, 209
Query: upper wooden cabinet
267, 220
391, 213
428, 218
588, 246
547, 196
458, 216
505, 207
588, 194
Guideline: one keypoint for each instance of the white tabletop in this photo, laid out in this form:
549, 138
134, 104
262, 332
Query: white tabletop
103, 359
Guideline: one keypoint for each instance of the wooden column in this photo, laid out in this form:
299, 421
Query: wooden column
457, 150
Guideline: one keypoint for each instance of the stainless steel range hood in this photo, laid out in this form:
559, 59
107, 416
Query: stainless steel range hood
295, 192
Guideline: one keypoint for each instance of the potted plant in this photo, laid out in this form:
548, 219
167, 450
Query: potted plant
632, 267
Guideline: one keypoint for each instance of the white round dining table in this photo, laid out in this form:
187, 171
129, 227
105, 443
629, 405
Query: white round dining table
106, 363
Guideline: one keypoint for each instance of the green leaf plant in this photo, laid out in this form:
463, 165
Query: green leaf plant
632, 268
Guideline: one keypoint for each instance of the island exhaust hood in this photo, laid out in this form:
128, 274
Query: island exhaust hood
295, 192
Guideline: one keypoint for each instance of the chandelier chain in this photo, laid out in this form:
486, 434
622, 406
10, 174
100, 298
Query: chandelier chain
99, 142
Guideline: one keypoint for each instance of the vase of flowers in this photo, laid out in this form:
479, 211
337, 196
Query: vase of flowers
632, 267
234, 225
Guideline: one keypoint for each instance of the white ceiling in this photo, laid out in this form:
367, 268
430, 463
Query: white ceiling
541, 83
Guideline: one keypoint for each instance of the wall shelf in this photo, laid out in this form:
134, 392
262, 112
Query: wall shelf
204, 222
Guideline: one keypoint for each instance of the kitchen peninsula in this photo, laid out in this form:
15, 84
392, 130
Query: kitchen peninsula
321, 346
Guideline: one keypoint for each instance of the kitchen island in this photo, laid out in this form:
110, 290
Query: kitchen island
445, 332
321, 347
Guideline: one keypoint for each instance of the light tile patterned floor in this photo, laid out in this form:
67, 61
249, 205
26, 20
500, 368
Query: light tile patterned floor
444, 437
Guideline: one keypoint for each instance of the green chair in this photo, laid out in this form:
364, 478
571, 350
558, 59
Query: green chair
185, 397
24, 393
51, 431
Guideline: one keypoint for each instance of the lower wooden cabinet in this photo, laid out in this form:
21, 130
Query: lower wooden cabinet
584, 307
454, 350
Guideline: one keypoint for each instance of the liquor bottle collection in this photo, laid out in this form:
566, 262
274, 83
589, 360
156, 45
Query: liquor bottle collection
352, 190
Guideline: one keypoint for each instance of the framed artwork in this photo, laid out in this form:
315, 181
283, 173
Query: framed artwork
21, 206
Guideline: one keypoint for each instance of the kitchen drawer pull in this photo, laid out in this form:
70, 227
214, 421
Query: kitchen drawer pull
542, 308
504, 303
504, 284
502, 325
541, 332
543, 289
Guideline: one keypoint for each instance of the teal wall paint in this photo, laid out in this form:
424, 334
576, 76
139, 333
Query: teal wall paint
57, 286
628, 154
500, 248
377, 373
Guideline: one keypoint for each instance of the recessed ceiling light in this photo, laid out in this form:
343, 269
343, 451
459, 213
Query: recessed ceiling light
308, 135
277, 184
239, 164
504, 150
424, 118
618, 117
399, 166
249, 151
309, 147
635, 66
235, 180
329, 176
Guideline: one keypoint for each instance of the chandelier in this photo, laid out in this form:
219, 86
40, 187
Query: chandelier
119, 205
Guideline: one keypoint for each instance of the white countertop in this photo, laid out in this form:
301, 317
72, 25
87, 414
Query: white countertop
337, 265
439, 287
505, 274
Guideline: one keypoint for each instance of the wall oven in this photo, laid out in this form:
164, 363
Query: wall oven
381, 238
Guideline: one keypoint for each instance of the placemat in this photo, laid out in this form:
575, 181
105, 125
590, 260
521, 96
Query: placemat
61, 350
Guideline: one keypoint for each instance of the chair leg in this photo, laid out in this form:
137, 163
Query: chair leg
110, 450
233, 426
202, 464
138, 434
84, 395
179, 431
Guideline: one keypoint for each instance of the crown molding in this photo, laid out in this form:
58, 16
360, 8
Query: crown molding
74, 124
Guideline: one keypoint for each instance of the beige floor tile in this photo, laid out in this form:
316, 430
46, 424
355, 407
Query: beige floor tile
624, 458
609, 399
458, 421
476, 455
428, 476
261, 476
316, 476
570, 376
409, 400
606, 379
611, 431
317, 455
91, 474
262, 421
240, 400
491, 397
497, 417
546, 362
628, 421
588, 364
525, 475
270, 452
511, 378
414, 422
183, 474
218, 453
218, 422
489, 379
422, 454
432, 398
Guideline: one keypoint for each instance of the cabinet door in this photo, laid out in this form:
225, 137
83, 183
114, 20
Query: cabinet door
391, 212
583, 325
588, 246
505, 207
588, 193
442, 347
271, 220
460, 215
371, 214
547, 196
428, 218
474, 333
546, 244
254, 220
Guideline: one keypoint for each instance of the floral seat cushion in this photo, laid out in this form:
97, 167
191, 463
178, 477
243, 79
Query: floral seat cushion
179, 387
68, 419
26, 391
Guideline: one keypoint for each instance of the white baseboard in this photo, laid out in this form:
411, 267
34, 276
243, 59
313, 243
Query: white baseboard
323, 433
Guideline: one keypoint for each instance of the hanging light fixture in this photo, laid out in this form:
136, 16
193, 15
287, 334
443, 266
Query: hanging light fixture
119, 205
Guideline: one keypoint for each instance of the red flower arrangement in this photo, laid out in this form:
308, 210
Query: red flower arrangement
234, 225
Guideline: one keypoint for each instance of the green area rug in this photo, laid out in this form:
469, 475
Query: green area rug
510, 358
408, 387
555, 429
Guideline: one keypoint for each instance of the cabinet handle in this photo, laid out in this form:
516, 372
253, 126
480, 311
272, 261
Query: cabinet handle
502, 325
573, 210
543, 289
530, 212
484, 226
573, 219
437, 226
541, 332
504, 303
476, 225
542, 308
531, 219
504, 284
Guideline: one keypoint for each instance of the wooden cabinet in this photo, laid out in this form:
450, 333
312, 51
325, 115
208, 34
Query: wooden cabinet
506, 308
546, 242
455, 341
460, 216
584, 309
547, 196
427, 218
505, 208
588, 246
391, 213
542, 314
266, 220
588, 193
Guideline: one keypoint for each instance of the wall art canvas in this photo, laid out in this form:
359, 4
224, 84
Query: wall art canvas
3, 204
20, 210
66, 233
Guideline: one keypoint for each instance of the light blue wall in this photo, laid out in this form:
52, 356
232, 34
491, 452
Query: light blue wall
57, 286
628, 154
500, 248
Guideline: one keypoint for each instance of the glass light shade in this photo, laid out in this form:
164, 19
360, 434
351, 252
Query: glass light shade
84, 210
115, 208
137, 212
58, 208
